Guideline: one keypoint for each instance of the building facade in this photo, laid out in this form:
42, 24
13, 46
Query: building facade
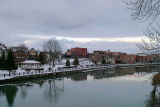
32, 54
99, 56
20, 56
76, 52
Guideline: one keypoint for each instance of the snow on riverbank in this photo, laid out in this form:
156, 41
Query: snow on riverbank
84, 64
3, 72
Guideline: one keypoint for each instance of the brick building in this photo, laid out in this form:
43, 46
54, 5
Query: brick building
99, 56
20, 53
128, 59
76, 52
145, 58
20, 56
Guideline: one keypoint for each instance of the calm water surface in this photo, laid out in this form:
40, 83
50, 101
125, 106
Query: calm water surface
122, 87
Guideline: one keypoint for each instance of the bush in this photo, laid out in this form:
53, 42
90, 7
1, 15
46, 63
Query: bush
156, 80
76, 62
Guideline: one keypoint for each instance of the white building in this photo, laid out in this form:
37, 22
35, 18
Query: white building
31, 65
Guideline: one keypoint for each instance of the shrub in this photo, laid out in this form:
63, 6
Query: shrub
156, 80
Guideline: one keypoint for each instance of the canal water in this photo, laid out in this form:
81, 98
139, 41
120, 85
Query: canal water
118, 87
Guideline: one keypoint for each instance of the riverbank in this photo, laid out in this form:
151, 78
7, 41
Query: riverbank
12, 77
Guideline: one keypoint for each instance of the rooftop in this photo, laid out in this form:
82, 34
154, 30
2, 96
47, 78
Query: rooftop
31, 62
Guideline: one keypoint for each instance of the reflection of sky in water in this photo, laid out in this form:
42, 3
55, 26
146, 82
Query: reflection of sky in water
119, 88
135, 77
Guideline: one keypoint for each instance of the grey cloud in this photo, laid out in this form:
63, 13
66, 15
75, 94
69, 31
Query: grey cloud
127, 47
76, 18
72, 18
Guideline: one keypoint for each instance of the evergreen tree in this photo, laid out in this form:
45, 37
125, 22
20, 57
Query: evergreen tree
67, 62
3, 61
41, 58
103, 61
76, 62
11, 64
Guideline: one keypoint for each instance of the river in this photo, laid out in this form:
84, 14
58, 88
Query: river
115, 87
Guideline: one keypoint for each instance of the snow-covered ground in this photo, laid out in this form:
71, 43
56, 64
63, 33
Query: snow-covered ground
82, 61
59, 67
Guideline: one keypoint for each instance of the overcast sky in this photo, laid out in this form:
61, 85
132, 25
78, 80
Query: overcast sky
95, 24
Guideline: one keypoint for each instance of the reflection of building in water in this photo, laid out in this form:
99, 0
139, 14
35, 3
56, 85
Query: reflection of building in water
148, 69
125, 71
112, 72
10, 93
79, 77
103, 73
53, 90
24, 90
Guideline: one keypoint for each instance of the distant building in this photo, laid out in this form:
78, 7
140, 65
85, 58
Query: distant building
31, 65
117, 56
20, 53
76, 52
128, 59
32, 54
98, 56
143, 58
20, 56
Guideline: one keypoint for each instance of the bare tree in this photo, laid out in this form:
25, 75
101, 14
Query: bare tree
151, 43
144, 9
53, 49
147, 10
23, 46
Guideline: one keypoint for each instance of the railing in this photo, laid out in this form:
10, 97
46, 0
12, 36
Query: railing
34, 72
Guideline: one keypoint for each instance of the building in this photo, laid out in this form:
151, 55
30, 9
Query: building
76, 52
117, 56
99, 56
31, 65
20, 56
20, 53
32, 54
128, 59
143, 58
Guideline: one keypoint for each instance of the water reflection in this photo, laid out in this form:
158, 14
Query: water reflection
52, 89
9, 92
79, 77
153, 99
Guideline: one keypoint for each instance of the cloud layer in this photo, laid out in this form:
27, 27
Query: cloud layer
66, 18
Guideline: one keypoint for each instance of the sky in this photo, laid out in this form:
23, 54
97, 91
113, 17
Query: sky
92, 24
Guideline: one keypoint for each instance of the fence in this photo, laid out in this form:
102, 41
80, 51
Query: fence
15, 74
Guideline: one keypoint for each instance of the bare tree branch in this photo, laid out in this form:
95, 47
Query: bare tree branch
53, 49
144, 9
